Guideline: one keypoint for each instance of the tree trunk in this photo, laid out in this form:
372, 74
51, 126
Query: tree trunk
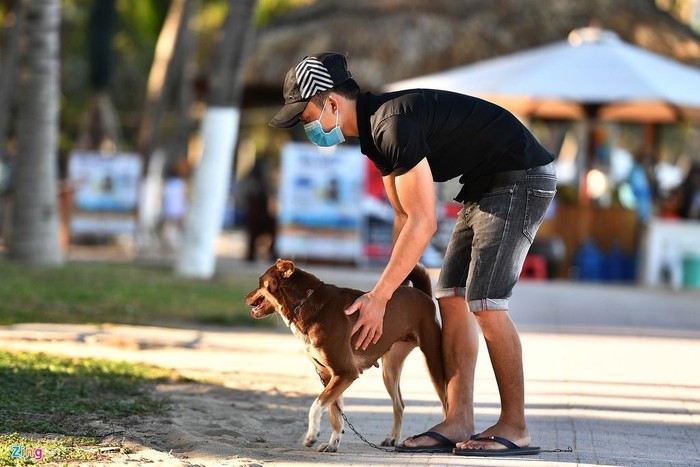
186, 71
101, 129
172, 45
160, 78
205, 215
8, 77
35, 237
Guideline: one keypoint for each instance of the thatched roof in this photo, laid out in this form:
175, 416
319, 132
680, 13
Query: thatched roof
390, 40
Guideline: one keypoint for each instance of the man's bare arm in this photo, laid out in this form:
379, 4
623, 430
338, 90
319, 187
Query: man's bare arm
413, 197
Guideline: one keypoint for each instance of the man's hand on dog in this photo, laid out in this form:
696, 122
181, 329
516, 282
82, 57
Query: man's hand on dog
370, 319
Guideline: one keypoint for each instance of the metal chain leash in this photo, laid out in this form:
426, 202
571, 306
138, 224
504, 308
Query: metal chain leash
362, 437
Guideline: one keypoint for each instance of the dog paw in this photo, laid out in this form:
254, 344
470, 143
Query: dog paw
327, 447
389, 442
309, 441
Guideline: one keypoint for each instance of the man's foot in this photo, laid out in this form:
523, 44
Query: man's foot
520, 437
447, 430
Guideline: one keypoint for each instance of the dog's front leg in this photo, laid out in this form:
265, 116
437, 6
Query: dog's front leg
334, 389
337, 425
314, 430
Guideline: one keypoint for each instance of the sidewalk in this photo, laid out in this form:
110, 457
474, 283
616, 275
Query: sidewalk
610, 371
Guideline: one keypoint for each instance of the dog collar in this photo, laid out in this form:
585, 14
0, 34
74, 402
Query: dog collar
308, 294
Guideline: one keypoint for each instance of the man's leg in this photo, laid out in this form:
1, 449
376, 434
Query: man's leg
505, 351
460, 344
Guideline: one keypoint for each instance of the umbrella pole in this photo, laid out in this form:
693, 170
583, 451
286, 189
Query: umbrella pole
585, 128
585, 152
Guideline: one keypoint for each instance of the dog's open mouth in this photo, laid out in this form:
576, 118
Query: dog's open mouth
259, 306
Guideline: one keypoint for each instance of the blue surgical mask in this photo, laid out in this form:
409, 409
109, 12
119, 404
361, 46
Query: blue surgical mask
314, 131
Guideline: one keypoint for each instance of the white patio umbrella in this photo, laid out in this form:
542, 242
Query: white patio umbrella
593, 74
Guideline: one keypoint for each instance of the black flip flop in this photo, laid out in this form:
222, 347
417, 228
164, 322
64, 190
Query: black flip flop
445, 445
512, 449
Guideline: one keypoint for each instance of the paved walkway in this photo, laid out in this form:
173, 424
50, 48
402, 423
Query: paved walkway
611, 371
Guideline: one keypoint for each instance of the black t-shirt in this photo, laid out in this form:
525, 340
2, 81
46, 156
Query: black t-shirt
462, 136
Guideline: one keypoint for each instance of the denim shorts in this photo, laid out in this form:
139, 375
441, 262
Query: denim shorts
492, 236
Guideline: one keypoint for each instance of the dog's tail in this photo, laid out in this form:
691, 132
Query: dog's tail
420, 279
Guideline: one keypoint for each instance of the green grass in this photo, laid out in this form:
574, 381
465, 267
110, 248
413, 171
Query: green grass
54, 449
120, 293
48, 402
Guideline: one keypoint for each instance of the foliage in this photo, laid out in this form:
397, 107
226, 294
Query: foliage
119, 293
136, 32
268, 10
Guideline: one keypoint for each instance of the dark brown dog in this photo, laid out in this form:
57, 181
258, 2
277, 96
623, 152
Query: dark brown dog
314, 312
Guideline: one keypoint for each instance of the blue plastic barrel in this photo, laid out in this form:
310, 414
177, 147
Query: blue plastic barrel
588, 262
614, 264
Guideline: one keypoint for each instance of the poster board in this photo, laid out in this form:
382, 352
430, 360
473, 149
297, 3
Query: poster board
106, 192
319, 200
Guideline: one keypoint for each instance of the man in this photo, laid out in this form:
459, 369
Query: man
414, 138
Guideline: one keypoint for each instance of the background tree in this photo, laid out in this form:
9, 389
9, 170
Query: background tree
100, 126
34, 236
162, 75
8, 65
108, 49
172, 64
220, 133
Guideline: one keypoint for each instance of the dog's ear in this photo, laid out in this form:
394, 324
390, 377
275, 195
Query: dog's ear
286, 268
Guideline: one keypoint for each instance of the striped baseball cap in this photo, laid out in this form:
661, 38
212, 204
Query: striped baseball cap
314, 74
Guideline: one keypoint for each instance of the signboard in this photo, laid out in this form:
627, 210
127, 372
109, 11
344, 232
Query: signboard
106, 192
320, 202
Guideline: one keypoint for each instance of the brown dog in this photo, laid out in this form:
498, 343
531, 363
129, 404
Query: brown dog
314, 312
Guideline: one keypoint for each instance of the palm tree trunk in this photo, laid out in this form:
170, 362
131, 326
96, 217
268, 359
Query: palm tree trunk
171, 47
197, 257
8, 77
161, 76
35, 237
177, 144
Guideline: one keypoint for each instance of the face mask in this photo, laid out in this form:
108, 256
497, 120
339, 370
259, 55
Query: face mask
314, 131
